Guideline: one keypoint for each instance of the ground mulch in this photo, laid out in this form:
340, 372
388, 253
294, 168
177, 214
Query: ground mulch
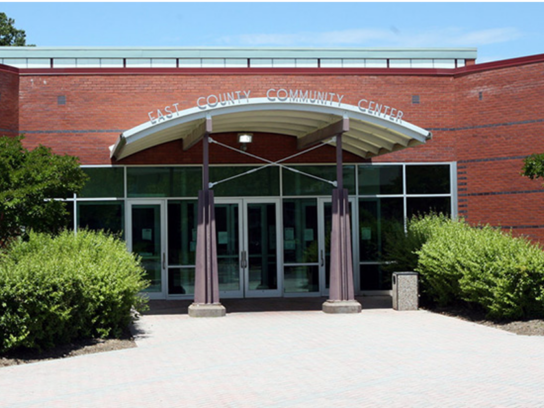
77, 348
529, 327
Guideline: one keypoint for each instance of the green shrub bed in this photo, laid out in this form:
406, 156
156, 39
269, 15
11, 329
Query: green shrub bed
57, 289
482, 266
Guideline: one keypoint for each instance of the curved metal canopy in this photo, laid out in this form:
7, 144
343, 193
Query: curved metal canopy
369, 134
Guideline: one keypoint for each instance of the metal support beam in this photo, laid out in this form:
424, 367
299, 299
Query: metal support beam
341, 290
323, 133
206, 303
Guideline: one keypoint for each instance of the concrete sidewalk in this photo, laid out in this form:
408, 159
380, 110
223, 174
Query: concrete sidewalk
297, 358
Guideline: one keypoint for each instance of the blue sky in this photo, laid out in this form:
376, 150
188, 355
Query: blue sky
498, 30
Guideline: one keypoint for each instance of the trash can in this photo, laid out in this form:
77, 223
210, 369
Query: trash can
405, 291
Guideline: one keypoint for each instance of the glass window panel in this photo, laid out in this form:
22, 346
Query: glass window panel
64, 63
190, 63
146, 242
378, 217
111, 63
421, 63
164, 181
260, 63
306, 63
283, 63
301, 279
107, 216
182, 230
181, 281
354, 63
373, 277
228, 246
261, 246
236, 63
444, 63
425, 205
103, 182
138, 62
213, 63
39, 63
88, 62
16, 62
299, 184
380, 179
399, 63
300, 243
163, 63
428, 179
69, 206
331, 63
376, 63
265, 182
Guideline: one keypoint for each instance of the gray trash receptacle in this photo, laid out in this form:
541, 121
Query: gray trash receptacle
405, 291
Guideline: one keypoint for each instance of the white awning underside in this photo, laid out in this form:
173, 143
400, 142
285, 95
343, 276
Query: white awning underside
369, 135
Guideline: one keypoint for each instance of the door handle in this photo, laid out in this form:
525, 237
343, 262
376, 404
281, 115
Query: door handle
243, 263
322, 259
163, 260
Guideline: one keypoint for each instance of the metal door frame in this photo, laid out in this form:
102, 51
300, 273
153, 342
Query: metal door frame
128, 234
243, 291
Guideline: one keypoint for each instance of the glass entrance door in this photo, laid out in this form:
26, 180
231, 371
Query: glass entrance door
145, 237
260, 255
248, 248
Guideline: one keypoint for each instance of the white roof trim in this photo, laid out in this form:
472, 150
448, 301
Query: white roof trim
383, 133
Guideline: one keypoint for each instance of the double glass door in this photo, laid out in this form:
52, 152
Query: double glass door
306, 242
248, 255
260, 251
248, 247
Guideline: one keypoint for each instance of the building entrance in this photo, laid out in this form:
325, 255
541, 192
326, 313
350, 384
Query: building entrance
146, 238
306, 243
248, 247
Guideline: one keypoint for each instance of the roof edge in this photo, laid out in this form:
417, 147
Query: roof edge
487, 66
235, 52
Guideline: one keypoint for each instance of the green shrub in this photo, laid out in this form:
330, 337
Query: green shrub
484, 266
57, 289
401, 248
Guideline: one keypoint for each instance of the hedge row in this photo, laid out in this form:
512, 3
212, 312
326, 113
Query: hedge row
479, 265
57, 289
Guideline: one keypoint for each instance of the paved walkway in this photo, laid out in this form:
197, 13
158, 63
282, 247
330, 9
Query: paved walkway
298, 358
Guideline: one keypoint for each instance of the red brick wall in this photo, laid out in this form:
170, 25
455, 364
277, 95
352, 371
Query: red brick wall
98, 104
495, 133
9, 101
487, 136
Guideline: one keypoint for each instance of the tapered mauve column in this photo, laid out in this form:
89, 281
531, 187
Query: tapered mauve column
341, 291
206, 303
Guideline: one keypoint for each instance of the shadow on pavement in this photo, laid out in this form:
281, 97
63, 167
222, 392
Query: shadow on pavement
167, 307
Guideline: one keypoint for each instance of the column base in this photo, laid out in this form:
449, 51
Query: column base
342, 306
207, 310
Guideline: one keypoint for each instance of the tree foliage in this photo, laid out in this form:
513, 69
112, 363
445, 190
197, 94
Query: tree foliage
533, 166
9, 35
29, 180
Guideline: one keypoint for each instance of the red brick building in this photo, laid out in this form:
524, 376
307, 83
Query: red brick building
130, 114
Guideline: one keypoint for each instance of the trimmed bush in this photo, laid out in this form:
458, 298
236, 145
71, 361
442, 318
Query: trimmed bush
484, 266
401, 247
57, 289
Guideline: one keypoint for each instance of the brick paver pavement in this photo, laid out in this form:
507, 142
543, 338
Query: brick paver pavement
294, 359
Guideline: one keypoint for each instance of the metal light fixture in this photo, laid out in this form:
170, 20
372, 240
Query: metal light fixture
244, 139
